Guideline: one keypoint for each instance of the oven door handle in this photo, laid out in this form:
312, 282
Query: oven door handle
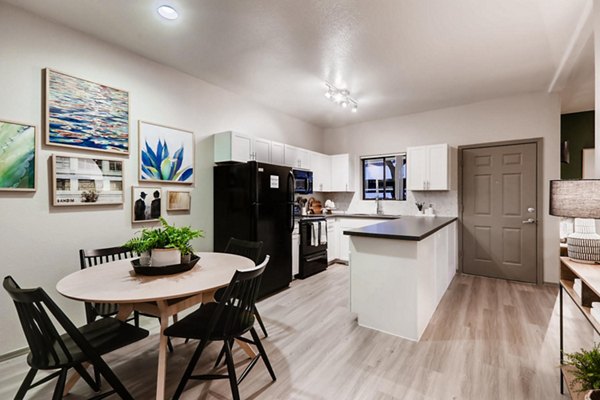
315, 258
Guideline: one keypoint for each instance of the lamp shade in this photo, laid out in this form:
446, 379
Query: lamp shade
575, 198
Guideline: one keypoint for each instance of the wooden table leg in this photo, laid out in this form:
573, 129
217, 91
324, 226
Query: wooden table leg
162, 351
124, 311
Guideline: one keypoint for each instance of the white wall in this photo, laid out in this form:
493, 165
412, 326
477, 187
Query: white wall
39, 243
520, 117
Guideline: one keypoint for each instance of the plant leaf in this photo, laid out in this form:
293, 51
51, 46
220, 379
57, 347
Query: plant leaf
151, 154
179, 157
165, 168
185, 175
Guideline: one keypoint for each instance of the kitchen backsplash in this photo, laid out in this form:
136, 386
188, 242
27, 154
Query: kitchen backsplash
444, 203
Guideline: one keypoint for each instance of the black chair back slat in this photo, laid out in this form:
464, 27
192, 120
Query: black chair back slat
244, 248
95, 257
42, 337
238, 301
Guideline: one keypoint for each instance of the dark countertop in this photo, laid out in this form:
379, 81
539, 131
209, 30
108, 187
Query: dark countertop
365, 216
403, 228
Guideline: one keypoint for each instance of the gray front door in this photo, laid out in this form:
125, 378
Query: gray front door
499, 193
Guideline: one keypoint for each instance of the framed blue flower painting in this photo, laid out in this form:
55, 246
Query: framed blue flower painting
166, 154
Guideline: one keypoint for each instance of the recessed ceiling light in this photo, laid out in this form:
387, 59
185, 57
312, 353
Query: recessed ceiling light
167, 12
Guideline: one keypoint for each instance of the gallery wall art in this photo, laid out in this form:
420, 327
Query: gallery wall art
178, 201
166, 154
86, 181
17, 156
146, 204
86, 115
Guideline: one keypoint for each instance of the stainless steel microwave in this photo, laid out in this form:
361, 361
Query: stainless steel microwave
304, 181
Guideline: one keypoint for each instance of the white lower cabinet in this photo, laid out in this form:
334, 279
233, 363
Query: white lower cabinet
333, 239
295, 251
344, 240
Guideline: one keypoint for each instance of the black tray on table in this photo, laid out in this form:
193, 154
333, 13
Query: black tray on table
164, 270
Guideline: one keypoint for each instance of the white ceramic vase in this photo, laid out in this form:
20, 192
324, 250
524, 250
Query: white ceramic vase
162, 257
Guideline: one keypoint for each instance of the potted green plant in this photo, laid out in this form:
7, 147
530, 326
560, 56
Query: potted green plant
165, 245
586, 370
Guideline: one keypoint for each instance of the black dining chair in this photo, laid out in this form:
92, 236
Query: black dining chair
94, 257
225, 321
48, 350
251, 250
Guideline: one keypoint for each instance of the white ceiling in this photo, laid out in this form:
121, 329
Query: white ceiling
579, 94
395, 56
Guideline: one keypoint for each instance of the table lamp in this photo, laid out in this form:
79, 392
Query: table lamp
579, 199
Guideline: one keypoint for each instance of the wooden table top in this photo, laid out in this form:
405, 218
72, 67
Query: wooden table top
116, 282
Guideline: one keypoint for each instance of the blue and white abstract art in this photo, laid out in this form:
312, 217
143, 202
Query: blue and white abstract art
166, 154
85, 114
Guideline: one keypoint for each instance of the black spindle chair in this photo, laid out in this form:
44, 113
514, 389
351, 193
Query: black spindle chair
251, 250
95, 257
225, 321
48, 350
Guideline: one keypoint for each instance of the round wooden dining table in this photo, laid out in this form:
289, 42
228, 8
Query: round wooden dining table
161, 295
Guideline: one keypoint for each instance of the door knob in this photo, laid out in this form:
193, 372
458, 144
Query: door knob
529, 221
531, 209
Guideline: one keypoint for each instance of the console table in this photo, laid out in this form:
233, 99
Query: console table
590, 292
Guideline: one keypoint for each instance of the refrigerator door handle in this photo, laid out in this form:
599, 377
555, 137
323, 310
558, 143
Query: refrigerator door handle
291, 186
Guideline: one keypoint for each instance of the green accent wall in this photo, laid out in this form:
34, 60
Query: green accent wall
578, 130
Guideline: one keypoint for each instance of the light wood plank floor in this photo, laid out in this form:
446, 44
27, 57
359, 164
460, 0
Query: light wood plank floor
489, 339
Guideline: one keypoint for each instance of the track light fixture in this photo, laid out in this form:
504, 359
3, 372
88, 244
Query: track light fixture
341, 97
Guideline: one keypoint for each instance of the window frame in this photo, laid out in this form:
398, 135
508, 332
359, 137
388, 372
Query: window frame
383, 157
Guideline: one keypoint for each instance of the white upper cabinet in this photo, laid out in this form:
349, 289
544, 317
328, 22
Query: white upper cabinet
296, 157
342, 173
277, 153
428, 167
232, 146
290, 155
321, 168
262, 150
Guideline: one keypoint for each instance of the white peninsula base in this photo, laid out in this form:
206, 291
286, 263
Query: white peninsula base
396, 284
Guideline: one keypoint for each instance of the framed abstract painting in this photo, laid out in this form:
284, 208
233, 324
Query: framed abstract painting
178, 201
86, 181
86, 115
166, 154
17, 156
146, 204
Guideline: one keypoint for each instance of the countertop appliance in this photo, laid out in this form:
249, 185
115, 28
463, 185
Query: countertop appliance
304, 181
313, 246
254, 201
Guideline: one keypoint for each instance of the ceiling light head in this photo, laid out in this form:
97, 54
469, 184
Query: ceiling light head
341, 97
167, 12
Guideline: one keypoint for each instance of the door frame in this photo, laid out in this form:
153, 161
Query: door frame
539, 142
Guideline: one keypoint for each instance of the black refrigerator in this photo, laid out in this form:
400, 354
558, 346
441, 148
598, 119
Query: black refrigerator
254, 201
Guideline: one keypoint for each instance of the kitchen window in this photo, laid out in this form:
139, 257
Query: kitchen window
384, 177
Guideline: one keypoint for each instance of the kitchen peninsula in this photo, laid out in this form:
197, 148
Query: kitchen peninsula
399, 271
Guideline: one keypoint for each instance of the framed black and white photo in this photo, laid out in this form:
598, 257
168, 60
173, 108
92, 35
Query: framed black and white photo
145, 203
86, 181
